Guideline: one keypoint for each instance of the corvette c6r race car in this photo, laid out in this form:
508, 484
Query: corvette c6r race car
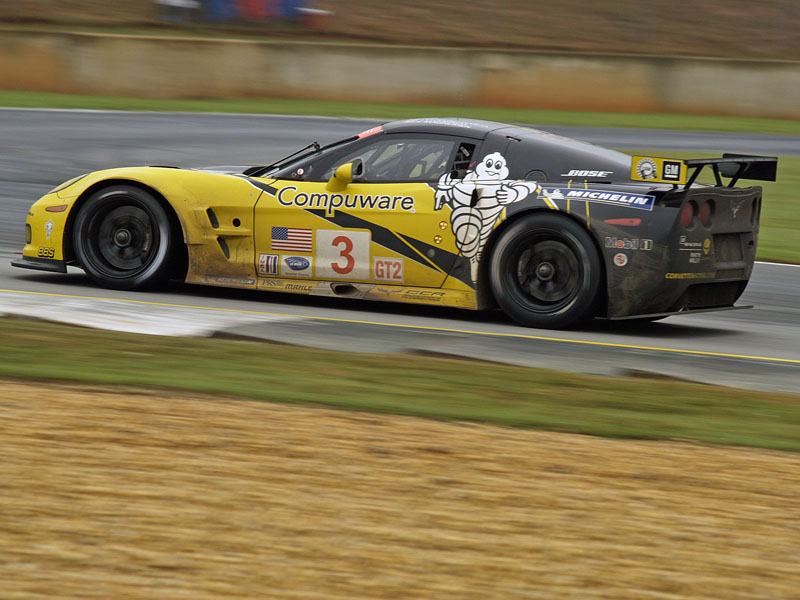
453, 212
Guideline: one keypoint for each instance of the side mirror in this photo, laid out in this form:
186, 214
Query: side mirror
344, 175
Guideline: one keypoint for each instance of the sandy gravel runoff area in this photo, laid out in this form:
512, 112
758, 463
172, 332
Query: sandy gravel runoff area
120, 494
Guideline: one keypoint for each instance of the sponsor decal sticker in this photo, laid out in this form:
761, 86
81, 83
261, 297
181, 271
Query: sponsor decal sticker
411, 294
690, 275
443, 121
640, 201
472, 222
291, 239
48, 228
388, 269
671, 170
297, 263
370, 132
295, 287
685, 245
735, 208
296, 266
46, 252
389, 291
268, 264
629, 243
658, 170
646, 168
583, 173
695, 257
225, 280
423, 295
620, 259
290, 197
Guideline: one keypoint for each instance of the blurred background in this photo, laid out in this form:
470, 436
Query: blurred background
715, 28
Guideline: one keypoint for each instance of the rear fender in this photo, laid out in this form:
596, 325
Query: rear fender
485, 296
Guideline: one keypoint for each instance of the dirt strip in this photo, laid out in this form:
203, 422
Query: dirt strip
105, 494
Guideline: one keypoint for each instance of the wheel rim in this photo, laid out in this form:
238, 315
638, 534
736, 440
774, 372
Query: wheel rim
121, 238
546, 272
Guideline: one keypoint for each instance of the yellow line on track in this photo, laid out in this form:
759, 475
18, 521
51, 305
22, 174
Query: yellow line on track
423, 327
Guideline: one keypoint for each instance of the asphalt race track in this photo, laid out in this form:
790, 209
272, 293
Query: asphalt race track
756, 348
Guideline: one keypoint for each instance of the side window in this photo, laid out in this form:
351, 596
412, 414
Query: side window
395, 158
464, 160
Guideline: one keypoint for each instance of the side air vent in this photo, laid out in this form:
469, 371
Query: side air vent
212, 218
225, 250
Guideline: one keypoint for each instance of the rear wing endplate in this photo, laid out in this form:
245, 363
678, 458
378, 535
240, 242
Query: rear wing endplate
677, 172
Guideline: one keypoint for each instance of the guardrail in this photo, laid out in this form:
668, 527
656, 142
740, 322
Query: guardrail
160, 67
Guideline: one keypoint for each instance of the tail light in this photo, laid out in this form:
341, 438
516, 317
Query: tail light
688, 212
705, 213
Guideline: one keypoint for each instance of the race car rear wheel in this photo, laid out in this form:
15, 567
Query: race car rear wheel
122, 238
545, 272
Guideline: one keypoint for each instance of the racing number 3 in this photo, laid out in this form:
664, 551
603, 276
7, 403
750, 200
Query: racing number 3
343, 240
343, 254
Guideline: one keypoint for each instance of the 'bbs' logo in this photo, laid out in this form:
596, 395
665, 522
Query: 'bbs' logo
46, 252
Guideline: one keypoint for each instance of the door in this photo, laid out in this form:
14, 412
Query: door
383, 227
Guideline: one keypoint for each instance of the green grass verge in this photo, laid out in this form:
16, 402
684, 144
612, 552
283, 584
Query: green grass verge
779, 237
781, 219
412, 385
400, 111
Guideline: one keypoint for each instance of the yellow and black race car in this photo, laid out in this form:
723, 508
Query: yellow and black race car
454, 212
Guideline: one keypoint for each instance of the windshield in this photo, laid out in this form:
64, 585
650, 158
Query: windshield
288, 167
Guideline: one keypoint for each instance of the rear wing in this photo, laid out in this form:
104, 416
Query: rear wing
676, 172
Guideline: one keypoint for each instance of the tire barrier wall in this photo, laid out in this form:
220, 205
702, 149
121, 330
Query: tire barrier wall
203, 68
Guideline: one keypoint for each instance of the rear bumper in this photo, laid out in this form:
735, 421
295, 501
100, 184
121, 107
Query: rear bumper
682, 268
679, 312
40, 264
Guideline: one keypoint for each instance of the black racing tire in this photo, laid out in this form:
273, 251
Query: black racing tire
545, 272
123, 239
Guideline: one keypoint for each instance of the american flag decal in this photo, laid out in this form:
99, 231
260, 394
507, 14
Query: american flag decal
291, 239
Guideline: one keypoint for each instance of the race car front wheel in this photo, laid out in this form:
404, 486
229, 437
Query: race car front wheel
545, 272
122, 238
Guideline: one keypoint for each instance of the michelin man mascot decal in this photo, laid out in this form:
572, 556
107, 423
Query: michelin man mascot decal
472, 222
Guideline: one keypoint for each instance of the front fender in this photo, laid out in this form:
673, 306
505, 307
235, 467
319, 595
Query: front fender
209, 206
